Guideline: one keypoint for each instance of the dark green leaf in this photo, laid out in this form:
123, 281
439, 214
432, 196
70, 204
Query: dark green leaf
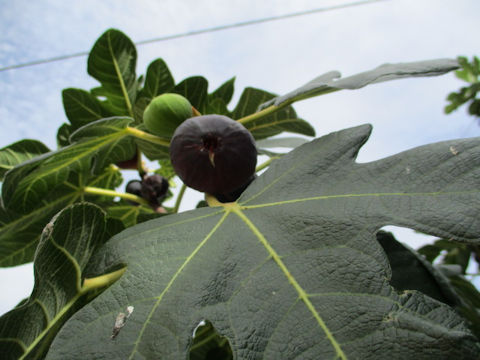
283, 120
82, 108
455, 253
159, 80
18, 152
67, 244
471, 298
63, 135
224, 92
217, 106
151, 150
293, 270
112, 62
195, 90
410, 271
326, 83
130, 214
209, 345
105, 140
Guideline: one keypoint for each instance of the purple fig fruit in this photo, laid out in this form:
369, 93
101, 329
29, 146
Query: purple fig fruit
213, 154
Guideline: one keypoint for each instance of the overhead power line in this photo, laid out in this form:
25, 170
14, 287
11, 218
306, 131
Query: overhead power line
201, 31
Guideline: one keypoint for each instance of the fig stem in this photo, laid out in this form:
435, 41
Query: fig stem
266, 163
106, 192
140, 165
265, 112
146, 136
179, 198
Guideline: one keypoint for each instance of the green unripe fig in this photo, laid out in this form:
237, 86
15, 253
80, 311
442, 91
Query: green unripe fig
165, 112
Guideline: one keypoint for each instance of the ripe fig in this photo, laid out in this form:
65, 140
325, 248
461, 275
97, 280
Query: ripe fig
165, 112
154, 189
235, 194
213, 154
134, 187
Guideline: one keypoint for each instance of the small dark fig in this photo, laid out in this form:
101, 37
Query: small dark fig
154, 189
235, 194
213, 154
134, 187
165, 112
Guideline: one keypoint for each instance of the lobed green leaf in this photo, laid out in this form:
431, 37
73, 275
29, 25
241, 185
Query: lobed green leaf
293, 270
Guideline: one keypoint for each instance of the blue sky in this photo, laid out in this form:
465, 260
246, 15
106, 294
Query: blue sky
277, 56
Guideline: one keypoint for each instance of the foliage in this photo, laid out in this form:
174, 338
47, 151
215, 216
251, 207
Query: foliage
470, 73
295, 268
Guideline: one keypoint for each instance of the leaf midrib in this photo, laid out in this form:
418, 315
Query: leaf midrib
302, 294
120, 78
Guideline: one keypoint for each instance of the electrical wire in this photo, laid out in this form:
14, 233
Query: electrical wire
200, 31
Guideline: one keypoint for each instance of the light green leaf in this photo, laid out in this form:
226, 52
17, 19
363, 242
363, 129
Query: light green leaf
327, 83
65, 248
112, 62
105, 140
224, 92
282, 120
293, 270
18, 152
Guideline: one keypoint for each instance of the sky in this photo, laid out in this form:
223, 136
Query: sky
276, 56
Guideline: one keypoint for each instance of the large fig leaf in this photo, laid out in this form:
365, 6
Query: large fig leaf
18, 152
112, 62
283, 120
106, 141
328, 82
60, 288
293, 269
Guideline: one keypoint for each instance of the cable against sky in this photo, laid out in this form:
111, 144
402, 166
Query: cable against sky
201, 31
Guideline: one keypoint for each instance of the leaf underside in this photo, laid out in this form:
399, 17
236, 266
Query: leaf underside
293, 270
330, 81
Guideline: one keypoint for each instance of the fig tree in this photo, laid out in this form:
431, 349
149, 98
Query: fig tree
213, 154
165, 112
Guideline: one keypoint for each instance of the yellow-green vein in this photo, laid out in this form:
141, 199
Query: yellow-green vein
302, 294
340, 196
120, 79
174, 278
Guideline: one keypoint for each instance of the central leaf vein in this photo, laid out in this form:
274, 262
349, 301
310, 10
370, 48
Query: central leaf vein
302, 294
